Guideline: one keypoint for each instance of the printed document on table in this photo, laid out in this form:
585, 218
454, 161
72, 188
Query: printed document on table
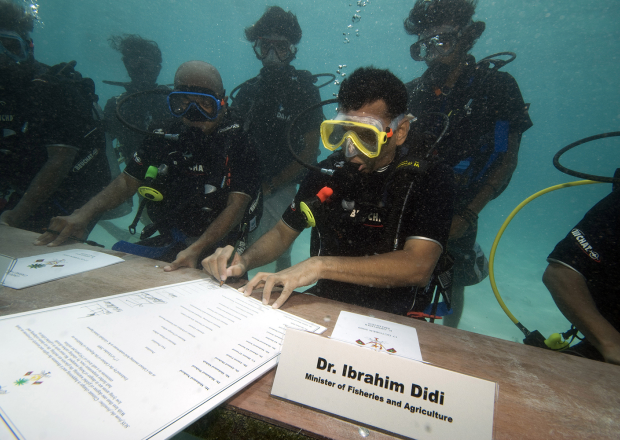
139, 365
30, 271
378, 334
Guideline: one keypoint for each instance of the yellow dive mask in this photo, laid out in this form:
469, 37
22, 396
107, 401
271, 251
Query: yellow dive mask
357, 133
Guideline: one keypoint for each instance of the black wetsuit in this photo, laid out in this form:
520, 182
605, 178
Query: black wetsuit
202, 171
36, 112
592, 248
372, 227
143, 112
483, 111
268, 104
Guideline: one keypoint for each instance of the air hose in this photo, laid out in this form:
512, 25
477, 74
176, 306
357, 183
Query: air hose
555, 341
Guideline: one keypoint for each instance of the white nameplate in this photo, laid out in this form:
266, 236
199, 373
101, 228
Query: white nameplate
391, 393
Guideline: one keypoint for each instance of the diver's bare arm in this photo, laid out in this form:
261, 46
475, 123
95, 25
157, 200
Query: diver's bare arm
572, 296
120, 189
223, 223
270, 246
47, 180
412, 266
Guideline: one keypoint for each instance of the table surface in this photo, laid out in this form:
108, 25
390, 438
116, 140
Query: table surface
542, 394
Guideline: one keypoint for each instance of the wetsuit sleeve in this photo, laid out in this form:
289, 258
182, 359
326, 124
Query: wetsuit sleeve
509, 104
592, 247
308, 188
244, 166
429, 211
146, 156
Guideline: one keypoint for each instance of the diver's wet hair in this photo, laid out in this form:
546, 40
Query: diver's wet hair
275, 20
133, 46
367, 85
426, 14
14, 17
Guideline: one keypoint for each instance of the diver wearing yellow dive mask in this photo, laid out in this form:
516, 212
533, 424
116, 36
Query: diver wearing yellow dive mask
363, 134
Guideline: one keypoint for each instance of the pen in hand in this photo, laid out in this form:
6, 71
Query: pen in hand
237, 243
230, 260
89, 242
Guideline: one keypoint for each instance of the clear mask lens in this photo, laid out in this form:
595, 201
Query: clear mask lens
427, 49
266, 48
180, 104
13, 46
349, 148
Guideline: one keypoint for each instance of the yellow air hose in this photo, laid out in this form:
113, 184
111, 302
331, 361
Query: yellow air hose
555, 340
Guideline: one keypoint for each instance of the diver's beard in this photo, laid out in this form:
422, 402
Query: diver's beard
437, 73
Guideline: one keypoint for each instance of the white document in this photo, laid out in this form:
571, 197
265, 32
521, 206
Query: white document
378, 335
140, 365
30, 271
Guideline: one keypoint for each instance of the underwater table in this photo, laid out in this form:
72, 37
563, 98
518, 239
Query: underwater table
542, 394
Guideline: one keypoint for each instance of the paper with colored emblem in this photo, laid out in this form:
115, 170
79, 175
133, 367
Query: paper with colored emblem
139, 365
378, 335
30, 271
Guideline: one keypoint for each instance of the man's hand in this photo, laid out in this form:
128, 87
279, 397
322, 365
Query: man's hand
74, 225
302, 274
185, 258
216, 264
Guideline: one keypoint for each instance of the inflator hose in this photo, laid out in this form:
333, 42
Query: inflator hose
556, 159
553, 341
503, 228
290, 145
127, 124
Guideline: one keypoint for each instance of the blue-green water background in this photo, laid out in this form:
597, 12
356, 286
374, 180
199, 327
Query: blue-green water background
567, 68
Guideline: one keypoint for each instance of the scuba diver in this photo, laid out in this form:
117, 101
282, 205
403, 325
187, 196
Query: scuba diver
52, 143
473, 115
142, 59
382, 218
268, 103
583, 277
200, 174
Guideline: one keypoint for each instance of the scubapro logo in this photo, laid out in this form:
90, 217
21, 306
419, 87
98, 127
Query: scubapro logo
407, 163
585, 246
85, 161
